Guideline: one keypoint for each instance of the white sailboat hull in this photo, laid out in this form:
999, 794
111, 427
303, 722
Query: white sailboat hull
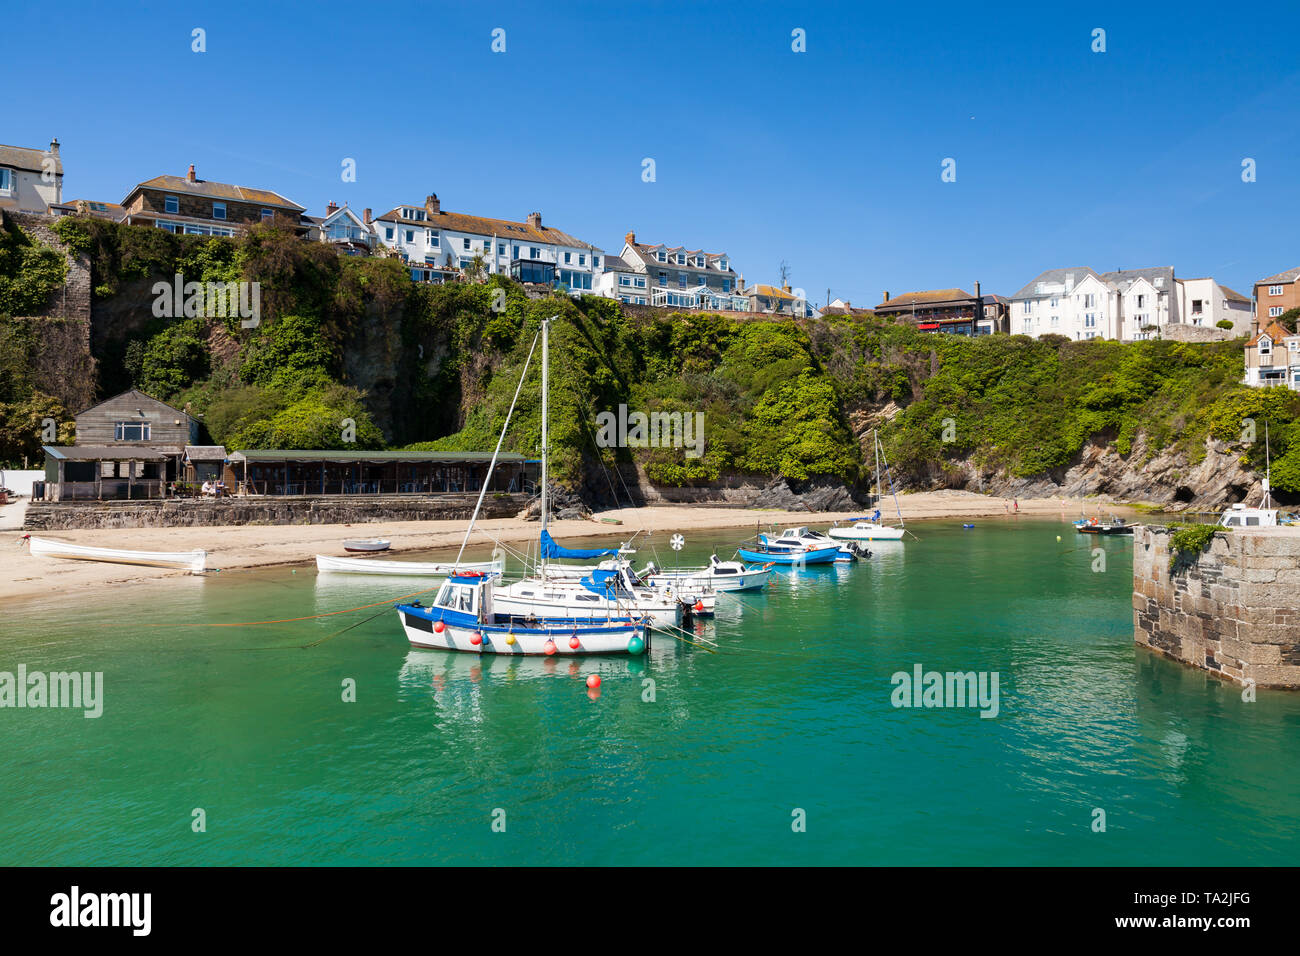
551, 599
327, 563
192, 561
867, 532
526, 641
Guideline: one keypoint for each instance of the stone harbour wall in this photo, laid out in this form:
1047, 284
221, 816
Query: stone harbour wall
1234, 610
191, 512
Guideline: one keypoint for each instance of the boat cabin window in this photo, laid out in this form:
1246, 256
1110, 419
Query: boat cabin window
466, 599
588, 597
724, 570
446, 597
1230, 523
1252, 520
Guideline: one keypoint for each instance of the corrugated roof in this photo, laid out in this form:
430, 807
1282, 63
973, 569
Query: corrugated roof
213, 190
205, 452
289, 454
20, 157
111, 452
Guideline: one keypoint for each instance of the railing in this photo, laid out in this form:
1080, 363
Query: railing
380, 486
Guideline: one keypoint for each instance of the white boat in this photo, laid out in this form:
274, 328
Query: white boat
193, 561
593, 599
815, 540
366, 544
721, 576
870, 528
422, 569
1242, 516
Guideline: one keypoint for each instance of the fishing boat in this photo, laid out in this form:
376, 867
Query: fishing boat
870, 528
360, 545
192, 561
464, 617
1242, 516
722, 576
765, 550
423, 569
1115, 525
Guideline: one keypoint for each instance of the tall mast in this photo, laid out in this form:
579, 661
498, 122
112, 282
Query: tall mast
875, 445
546, 371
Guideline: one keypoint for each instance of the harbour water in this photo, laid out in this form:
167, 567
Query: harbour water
686, 756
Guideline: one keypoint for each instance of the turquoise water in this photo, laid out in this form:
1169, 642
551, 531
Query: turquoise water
793, 712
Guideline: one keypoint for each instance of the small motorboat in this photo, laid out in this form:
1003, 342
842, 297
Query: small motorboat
719, 575
968, 526
463, 618
423, 569
355, 545
845, 554
1113, 526
193, 561
790, 553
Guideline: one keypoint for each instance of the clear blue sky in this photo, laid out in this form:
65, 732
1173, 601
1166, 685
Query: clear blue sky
829, 159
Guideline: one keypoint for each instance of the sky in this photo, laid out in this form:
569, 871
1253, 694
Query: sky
829, 159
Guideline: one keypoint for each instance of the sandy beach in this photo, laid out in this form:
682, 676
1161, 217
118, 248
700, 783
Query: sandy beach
25, 577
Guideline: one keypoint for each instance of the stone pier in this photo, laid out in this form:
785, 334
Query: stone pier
1234, 610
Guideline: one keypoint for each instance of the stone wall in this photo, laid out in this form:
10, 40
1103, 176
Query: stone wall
1184, 332
191, 512
1234, 610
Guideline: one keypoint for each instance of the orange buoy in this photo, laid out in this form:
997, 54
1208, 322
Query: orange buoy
477, 639
439, 626
574, 642
549, 647
699, 607
593, 681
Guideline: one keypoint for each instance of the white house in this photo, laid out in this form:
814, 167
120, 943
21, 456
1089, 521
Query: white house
1205, 302
1082, 304
344, 228
31, 180
430, 238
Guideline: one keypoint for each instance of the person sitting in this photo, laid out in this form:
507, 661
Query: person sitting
207, 488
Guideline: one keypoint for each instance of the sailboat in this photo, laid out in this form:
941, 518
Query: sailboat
1265, 516
468, 615
869, 528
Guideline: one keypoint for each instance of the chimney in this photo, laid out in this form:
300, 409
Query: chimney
886, 299
848, 305
786, 288
431, 204
535, 220
332, 208
365, 215
977, 289
190, 177
54, 147
630, 238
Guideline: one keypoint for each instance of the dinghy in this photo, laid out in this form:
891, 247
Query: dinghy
192, 561
366, 545
464, 617
419, 569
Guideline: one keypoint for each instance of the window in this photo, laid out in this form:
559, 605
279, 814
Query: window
1090, 300
1160, 282
1265, 345
218, 210
6, 180
640, 284
595, 262
624, 280
1025, 308
171, 204
516, 252
1274, 311
410, 235
431, 238
1196, 307
1275, 290
267, 215
582, 260
681, 280
722, 264
501, 248
388, 233
1056, 320
726, 285
1141, 300
1090, 320
534, 252
661, 256
568, 257
1055, 302
464, 243
131, 431
1027, 326
681, 258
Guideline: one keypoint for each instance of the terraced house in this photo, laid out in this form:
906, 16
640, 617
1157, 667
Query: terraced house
436, 244
1273, 358
1082, 304
193, 206
949, 311
1277, 294
684, 278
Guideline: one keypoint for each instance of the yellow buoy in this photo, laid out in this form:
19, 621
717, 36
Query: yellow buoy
510, 639
1058, 537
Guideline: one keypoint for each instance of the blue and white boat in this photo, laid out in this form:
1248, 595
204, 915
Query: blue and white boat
847, 552
462, 618
793, 553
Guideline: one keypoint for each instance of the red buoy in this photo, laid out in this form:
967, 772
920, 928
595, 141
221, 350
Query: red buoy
574, 642
439, 626
699, 607
549, 648
593, 681
477, 639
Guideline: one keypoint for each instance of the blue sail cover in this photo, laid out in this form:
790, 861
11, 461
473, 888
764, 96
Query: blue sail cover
552, 550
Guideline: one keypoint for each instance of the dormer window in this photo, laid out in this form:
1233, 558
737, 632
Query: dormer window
722, 264
1265, 345
1160, 282
681, 259
661, 256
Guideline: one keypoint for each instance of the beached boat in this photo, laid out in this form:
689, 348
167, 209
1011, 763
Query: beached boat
465, 617
358, 545
193, 561
421, 569
767, 551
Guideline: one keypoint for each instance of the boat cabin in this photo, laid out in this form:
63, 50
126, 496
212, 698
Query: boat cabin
466, 597
1240, 516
